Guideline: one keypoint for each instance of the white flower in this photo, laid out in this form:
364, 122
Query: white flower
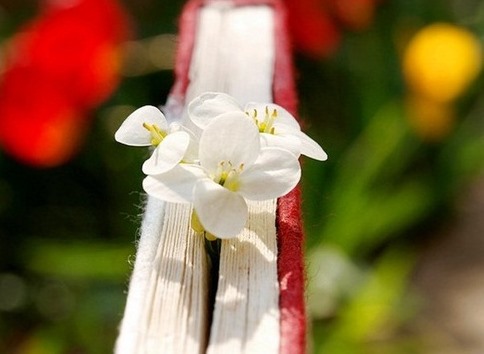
242, 154
147, 126
233, 168
277, 127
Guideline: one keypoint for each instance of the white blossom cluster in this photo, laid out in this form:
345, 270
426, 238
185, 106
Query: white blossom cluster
233, 155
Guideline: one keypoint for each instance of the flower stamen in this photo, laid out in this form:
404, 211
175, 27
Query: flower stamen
267, 124
227, 175
157, 135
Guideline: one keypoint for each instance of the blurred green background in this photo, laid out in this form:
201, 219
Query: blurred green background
392, 218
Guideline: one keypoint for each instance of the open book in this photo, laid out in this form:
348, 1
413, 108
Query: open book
239, 48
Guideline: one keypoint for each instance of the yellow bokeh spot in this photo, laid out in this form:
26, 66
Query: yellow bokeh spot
432, 121
441, 61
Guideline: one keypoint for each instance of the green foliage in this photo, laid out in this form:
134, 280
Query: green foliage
369, 208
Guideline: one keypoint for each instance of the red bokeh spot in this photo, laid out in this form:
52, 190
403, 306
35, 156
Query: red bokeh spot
58, 67
353, 14
316, 26
312, 29
37, 126
76, 59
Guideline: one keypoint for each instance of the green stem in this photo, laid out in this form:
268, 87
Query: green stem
212, 247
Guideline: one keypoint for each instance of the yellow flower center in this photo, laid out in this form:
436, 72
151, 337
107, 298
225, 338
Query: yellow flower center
227, 175
157, 135
266, 123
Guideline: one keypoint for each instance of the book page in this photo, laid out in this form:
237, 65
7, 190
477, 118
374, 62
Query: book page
166, 310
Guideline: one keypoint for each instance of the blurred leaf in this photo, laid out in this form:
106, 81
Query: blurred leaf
370, 200
375, 310
42, 341
89, 260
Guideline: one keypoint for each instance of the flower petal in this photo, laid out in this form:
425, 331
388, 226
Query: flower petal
221, 212
167, 154
275, 173
191, 155
132, 132
229, 137
287, 142
176, 185
310, 148
209, 105
283, 116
